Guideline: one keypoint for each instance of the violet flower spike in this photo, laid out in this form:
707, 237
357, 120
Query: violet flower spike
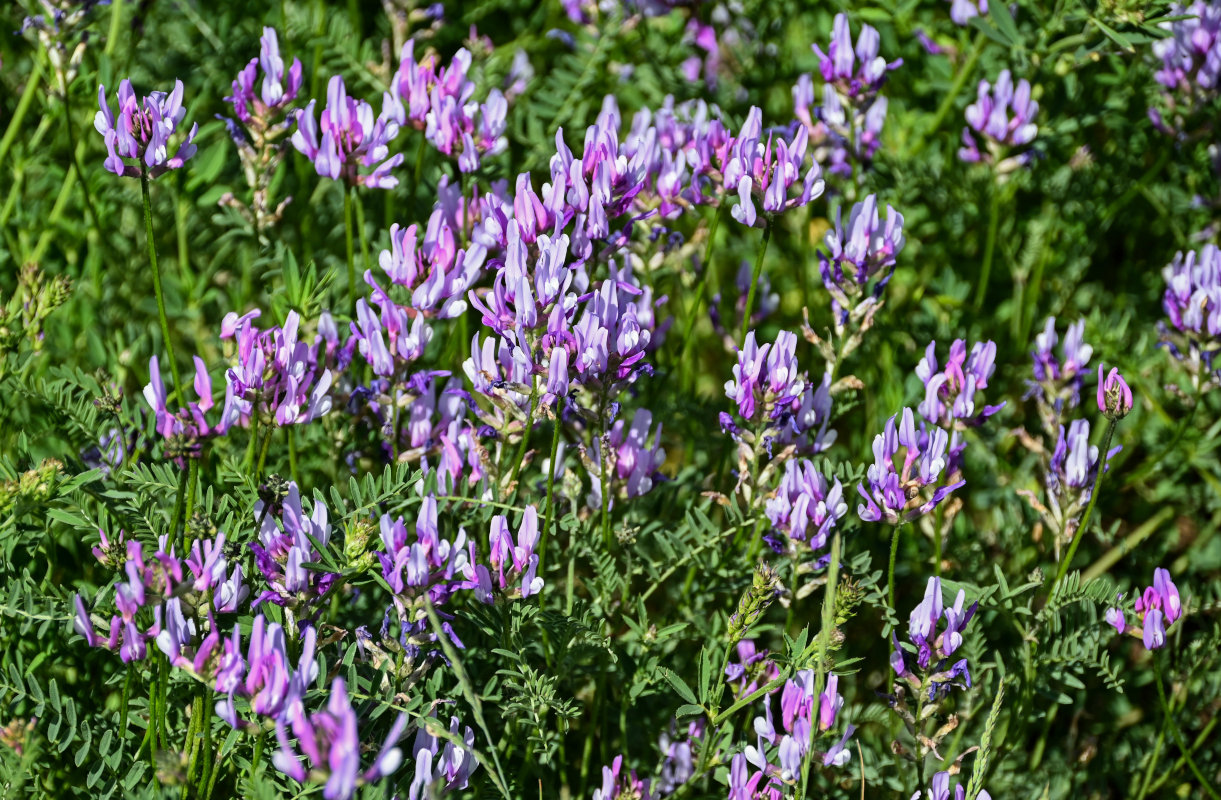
1114, 396
141, 131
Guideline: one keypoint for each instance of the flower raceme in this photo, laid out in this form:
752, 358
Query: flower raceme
854, 71
1157, 608
806, 508
934, 648
1192, 302
513, 564
1004, 117
1058, 380
347, 139
901, 491
275, 92
950, 390
940, 787
141, 131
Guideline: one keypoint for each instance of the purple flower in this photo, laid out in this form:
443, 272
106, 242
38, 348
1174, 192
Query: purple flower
347, 138
1114, 396
1158, 607
781, 751
513, 564
807, 506
442, 768
933, 647
901, 491
1192, 301
618, 784
331, 742
861, 252
950, 391
277, 89
1071, 473
940, 790
142, 130
1191, 55
1004, 116
1058, 381
962, 11
428, 564
678, 765
839, 64
752, 669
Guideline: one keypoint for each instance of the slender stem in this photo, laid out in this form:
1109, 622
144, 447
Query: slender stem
1203, 737
948, 101
263, 452
258, 754
1085, 518
152, 260
123, 702
985, 270
754, 277
1178, 735
292, 453
254, 436
176, 517
938, 518
192, 479
76, 163
23, 106
347, 238
525, 437
548, 510
890, 572
360, 231
116, 15
698, 297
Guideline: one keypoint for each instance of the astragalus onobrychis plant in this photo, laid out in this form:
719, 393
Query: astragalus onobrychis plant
614, 400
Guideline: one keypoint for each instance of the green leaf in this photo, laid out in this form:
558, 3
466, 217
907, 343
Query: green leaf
680, 686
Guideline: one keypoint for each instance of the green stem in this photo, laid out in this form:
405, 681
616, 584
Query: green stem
292, 453
1178, 735
754, 277
123, 702
116, 15
192, 479
258, 754
947, 103
263, 453
698, 297
1085, 518
890, 571
1201, 739
179, 498
985, 270
152, 260
360, 231
23, 106
347, 238
76, 163
525, 438
548, 510
248, 462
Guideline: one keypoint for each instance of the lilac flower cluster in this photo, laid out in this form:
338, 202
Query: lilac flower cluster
442, 768
950, 391
940, 788
162, 584
752, 669
618, 784
286, 543
1058, 380
899, 492
1192, 302
858, 264
514, 564
142, 130
439, 103
1191, 64
775, 399
963, 11
780, 752
933, 648
1157, 608
347, 142
1003, 116
847, 127
633, 459
428, 566
805, 509
276, 91
1071, 473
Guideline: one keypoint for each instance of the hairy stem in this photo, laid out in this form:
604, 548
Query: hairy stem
152, 260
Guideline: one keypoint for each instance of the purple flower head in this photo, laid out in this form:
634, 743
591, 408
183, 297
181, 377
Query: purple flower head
1158, 607
440, 765
1003, 115
253, 99
348, 138
770, 171
1192, 302
1191, 62
899, 491
860, 252
1071, 473
782, 749
620, 784
962, 11
514, 564
951, 391
1114, 396
933, 647
141, 131
331, 742
285, 544
940, 790
806, 507
752, 669
839, 65
1058, 380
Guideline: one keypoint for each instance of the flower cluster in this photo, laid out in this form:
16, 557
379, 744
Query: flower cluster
438, 101
1192, 302
899, 492
513, 564
775, 399
442, 768
428, 566
933, 648
963, 11
1003, 116
275, 92
805, 509
142, 130
1071, 473
940, 787
1158, 607
752, 669
1191, 65
1058, 380
286, 543
618, 783
853, 71
348, 143
950, 390
780, 751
